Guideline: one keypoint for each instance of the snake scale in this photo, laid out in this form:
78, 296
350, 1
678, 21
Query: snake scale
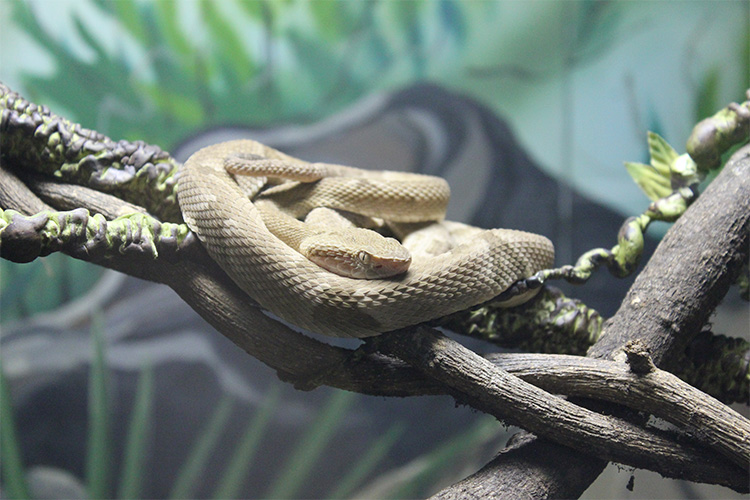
287, 284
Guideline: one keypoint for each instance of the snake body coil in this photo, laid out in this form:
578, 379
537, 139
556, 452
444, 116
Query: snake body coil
286, 283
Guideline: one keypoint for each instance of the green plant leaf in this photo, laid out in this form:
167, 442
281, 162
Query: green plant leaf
332, 18
14, 478
229, 50
290, 477
447, 454
234, 474
131, 477
662, 154
453, 19
89, 39
168, 22
178, 106
98, 446
129, 16
651, 182
192, 470
371, 458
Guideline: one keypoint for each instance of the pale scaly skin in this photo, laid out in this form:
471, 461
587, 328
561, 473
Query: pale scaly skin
332, 242
297, 290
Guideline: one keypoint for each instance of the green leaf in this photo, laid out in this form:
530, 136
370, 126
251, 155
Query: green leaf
371, 458
684, 171
228, 45
234, 475
662, 154
447, 454
332, 18
89, 39
131, 478
453, 19
184, 109
168, 23
651, 182
292, 475
14, 479
406, 18
131, 18
98, 457
192, 469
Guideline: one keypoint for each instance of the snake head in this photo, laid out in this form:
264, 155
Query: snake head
357, 253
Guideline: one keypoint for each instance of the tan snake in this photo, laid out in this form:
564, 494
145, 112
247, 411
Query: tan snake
297, 290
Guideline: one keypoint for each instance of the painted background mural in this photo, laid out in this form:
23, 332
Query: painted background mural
529, 109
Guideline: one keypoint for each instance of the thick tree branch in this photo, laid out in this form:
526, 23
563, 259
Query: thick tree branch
657, 392
479, 383
710, 240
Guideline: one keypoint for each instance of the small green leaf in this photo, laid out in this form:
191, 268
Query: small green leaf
662, 154
651, 182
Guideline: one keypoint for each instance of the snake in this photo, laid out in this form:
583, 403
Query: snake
230, 224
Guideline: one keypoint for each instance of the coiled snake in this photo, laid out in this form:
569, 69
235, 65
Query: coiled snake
477, 266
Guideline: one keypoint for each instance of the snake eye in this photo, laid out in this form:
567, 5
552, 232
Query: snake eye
364, 257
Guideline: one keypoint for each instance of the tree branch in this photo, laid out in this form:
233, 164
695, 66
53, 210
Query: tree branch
650, 313
482, 385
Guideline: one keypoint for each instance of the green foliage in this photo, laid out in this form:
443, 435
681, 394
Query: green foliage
234, 474
14, 480
98, 443
259, 62
289, 479
42, 285
191, 470
443, 456
654, 179
367, 462
136, 451
292, 475
668, 170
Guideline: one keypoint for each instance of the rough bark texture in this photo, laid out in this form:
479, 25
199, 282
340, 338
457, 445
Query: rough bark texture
546, 479
669, 302
479, 383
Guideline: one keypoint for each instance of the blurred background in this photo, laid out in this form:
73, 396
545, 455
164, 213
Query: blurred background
529, 109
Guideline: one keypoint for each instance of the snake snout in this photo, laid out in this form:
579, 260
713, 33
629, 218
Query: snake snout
384, 267
380, 258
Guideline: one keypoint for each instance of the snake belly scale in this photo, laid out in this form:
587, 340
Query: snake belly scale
297, 290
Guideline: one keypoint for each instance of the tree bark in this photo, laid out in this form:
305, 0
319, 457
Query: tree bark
670, 301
